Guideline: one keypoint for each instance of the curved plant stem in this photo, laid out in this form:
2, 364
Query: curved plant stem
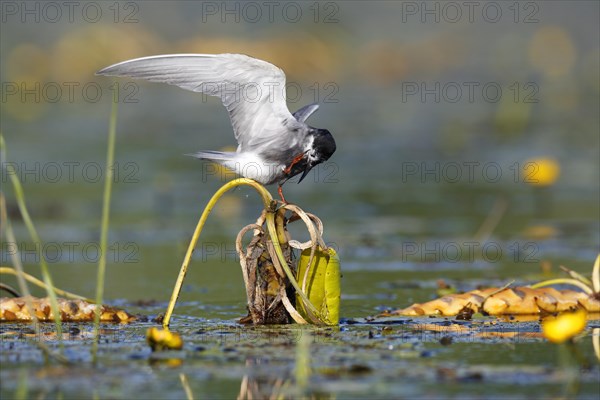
563, 281
270, 207
596, 275
188, 255
11, 290
273, 232
315, 238
38, 283
290, 308
577, 276
596, 342
242, 255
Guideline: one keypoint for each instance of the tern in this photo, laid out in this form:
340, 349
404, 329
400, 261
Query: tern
273, 144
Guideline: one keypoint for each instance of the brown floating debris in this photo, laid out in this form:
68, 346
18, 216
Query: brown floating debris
15, 310
518, 300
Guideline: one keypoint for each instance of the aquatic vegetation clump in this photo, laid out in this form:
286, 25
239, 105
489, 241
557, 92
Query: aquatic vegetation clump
270, 275
271, 297
534, 299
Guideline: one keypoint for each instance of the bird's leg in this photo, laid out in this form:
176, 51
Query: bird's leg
295, 161
287, 171
280, 191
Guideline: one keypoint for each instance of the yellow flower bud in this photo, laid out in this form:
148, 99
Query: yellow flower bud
163, 339
564, 326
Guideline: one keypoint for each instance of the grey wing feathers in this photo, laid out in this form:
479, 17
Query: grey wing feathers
187, 71
197, 72
253, 91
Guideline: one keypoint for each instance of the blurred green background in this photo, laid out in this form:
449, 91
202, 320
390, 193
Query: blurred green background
442, 113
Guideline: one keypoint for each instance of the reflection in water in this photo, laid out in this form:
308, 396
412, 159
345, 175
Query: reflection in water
263, 387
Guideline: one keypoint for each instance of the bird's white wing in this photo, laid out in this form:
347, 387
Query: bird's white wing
252, 90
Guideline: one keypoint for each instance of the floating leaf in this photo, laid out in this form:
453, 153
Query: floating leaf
494, 301
15, 310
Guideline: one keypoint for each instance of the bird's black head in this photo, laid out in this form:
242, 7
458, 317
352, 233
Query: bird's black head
323, 147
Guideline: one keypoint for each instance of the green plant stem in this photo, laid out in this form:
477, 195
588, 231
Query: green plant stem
21, 277
188, 255
270, 220
563, 281
596, 275
20, 197
110, 155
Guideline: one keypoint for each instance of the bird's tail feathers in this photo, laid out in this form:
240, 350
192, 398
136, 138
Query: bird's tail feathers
218, 156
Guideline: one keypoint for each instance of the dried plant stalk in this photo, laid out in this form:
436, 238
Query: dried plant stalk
267, 289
